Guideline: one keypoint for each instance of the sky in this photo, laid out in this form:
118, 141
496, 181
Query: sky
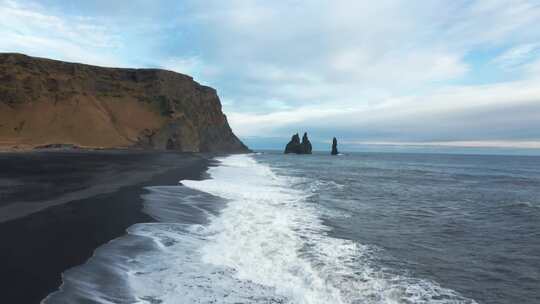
420, 73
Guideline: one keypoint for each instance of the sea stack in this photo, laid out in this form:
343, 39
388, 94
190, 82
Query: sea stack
306, 144
297, 147
334, 147
294, 145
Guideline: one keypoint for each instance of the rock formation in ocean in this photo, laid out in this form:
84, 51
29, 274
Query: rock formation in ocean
297, 147
47, 102
334, 147
306, 144
294, 145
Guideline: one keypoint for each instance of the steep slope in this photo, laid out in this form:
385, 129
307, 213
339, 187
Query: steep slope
45, 102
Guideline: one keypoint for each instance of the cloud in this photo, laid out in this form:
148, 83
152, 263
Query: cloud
532, 69
379, 71
388, 46
518, 55
496, 112
29, 28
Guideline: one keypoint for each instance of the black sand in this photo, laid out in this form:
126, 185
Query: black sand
57, 207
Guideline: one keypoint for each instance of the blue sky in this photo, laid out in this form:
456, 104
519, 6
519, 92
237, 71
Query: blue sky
445, 73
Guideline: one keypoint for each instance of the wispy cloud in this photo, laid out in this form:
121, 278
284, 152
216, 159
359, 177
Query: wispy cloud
29, 28
379, 71
500, 111
518, 55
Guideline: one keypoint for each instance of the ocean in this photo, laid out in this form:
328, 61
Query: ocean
354, 228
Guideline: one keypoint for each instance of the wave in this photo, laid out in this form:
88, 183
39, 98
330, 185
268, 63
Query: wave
269, 235
267, 244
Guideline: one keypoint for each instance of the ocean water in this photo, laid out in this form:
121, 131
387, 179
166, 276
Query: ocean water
356, 228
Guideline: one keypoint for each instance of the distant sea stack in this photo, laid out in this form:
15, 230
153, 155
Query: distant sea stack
297, 147
334, 147
53, 103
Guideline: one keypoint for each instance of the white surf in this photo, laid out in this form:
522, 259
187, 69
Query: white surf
267, 245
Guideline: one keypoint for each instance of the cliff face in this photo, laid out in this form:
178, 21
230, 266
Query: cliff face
44, 102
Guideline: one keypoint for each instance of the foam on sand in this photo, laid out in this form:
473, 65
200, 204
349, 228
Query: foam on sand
267, 244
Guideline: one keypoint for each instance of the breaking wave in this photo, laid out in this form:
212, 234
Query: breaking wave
266, 244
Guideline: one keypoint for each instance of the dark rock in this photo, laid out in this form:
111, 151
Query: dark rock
334, 147
297, 147
294, 145
306, 145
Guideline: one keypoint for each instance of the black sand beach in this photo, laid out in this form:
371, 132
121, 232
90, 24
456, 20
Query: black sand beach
57, 207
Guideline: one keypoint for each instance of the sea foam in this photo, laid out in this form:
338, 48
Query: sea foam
266, 244
270, 235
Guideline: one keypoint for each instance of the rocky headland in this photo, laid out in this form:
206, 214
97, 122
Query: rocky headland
49, 103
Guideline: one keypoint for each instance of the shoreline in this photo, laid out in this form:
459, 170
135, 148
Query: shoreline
37, 247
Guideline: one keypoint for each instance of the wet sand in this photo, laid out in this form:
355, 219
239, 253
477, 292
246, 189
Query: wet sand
57, 207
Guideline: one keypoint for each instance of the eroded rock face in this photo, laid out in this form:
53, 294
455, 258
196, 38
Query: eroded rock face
45, 102
297, 147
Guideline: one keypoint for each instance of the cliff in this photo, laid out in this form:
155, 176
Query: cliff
52, 103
